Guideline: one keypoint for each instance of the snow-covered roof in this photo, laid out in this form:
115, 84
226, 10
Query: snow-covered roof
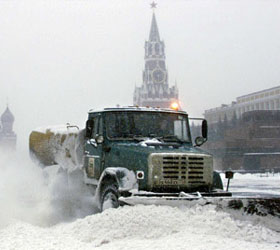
136, 108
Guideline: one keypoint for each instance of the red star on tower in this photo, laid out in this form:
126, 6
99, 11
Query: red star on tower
153, 5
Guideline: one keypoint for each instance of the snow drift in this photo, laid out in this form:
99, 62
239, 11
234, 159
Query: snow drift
144, 227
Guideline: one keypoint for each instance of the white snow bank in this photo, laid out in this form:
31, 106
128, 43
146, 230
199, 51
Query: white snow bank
144, 227
153, 222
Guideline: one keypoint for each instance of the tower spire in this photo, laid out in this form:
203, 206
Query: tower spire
154, 91
154, 34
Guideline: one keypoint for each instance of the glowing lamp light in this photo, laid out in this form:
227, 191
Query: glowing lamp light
174, 105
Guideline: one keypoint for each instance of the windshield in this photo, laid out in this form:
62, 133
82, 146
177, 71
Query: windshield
141, 125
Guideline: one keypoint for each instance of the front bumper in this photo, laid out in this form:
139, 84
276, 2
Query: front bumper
261, 206
170, 199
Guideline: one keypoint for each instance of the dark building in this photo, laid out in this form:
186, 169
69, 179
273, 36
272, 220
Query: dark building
155, 91
246, 133
251, 143
267, 99
7, 136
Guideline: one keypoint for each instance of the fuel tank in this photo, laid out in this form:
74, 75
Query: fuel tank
62, 145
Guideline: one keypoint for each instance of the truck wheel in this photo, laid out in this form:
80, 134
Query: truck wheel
109, 197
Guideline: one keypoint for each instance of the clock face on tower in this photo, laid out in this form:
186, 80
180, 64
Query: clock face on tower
158, 76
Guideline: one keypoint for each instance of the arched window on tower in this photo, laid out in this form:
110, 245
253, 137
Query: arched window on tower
150, 49
157, 48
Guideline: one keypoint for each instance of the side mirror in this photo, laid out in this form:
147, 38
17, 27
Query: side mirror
99, 139
89, 128
204, 129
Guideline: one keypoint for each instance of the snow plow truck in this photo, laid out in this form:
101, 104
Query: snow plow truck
137, 155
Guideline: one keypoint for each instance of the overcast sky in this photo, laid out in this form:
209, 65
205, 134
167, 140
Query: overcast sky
58, 59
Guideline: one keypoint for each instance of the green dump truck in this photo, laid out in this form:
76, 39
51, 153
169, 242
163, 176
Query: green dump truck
135, 155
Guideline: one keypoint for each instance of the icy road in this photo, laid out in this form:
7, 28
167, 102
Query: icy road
35, 214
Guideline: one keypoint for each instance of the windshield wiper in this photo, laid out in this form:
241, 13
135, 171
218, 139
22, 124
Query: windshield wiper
171, 138
139, 137
166, 138
135, 137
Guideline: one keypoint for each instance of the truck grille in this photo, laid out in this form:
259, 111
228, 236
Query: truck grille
180, 170
183, 167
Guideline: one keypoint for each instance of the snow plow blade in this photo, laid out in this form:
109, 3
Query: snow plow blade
261, 206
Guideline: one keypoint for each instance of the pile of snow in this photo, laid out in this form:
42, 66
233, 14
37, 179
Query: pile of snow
144, 227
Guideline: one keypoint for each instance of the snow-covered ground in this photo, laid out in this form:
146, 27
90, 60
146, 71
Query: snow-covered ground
143, 227
262, 184
39, 213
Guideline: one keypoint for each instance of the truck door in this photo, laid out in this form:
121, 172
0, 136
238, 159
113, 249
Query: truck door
93, 150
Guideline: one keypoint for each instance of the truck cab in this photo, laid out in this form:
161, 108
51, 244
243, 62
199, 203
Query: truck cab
137, 150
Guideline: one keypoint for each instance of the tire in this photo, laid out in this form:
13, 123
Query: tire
109, 197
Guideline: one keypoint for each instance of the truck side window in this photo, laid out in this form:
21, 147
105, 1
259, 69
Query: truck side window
98, 126
89, 128
95, 127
